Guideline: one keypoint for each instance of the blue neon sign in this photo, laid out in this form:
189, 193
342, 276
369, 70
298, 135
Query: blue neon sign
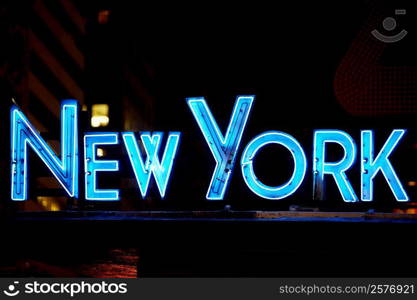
147, 159
92, 166
337, 169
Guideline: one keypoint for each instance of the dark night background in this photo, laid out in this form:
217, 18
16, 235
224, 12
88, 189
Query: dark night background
311, 65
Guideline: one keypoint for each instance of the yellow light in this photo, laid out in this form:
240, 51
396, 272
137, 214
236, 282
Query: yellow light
412, 183
54, 207
100, 152
100, 115
49, 203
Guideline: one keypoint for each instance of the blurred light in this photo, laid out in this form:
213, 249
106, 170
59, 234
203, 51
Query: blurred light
49, 203
100, 152
103, 16
84, 107
100, 115
411, 211
54, 207
412, 183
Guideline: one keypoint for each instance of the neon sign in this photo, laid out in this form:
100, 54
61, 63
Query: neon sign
336, 169
92, 165
300, 165
161, 170
147, 161
24, 134
224, 148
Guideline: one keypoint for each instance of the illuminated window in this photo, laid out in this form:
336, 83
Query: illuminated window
100, 115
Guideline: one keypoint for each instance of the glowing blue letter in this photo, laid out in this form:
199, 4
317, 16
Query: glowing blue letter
92, 166
337, 169
300, 165
370, 166
143, 170
64, 170
223, 148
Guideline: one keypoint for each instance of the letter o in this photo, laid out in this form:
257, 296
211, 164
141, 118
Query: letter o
300, 165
